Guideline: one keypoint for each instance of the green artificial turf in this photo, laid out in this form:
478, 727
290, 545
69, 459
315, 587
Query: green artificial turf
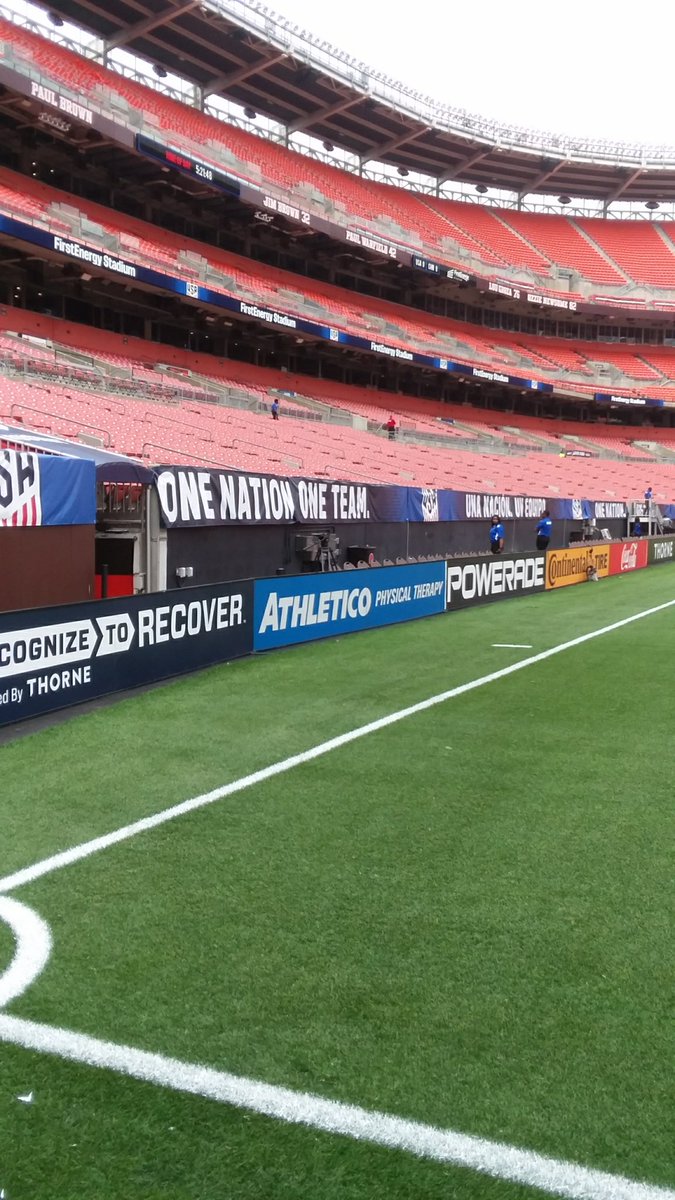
464, 918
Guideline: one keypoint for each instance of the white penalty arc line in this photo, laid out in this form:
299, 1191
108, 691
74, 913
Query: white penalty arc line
65, 857
33, 948
496, 1159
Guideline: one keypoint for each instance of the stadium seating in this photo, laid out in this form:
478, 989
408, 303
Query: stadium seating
565, 363
640, 249
560, 240
613, 254
510, 454
245, 440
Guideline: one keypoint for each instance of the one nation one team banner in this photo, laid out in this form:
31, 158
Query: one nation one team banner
193, 496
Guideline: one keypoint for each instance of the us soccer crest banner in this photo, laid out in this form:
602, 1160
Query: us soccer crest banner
42, 489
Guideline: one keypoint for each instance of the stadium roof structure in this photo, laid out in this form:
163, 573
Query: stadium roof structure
246, 53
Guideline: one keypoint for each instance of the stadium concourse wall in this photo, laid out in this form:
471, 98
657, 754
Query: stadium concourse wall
58, 657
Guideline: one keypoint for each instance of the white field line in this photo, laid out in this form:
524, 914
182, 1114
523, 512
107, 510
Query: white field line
33, 948
511, 645
65, 857
301, 1108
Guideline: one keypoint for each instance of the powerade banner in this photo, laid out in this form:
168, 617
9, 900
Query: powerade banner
189, 497
303, 608
55, 657
661, 550
44, 489
499, 577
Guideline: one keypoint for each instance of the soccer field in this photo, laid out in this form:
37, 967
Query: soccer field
445, 943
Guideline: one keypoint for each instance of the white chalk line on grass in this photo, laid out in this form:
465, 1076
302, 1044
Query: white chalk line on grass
511, 645
496, 1159
65, 857
33, 948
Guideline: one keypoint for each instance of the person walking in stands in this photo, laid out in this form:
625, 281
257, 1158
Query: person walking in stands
496, 536
544, 530
391, 427
275, 409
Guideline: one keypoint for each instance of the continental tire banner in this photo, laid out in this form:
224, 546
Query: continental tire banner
303, 608
628, 556
54, 657
478, 580
661, 550
564, 567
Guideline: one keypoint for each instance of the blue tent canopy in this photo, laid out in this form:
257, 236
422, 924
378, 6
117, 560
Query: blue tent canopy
110, 467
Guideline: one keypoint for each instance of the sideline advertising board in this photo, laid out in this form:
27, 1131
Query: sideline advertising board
54, 657
486, 577
564, 567
628, 556
302, 608
661, 550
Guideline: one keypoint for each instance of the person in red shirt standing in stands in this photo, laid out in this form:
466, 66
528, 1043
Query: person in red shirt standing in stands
391, 427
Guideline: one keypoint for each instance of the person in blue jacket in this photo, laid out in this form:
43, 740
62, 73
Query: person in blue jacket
496, 536
544, 530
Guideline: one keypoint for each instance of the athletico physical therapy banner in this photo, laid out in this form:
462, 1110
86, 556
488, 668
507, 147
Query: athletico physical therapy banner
44, 489
564, 567
303, 608
53, 657
499, 577
190, 496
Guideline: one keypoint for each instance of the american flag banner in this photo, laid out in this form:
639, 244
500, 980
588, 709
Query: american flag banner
20, 499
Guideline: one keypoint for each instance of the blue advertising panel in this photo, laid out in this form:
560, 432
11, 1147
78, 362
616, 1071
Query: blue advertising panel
303, 608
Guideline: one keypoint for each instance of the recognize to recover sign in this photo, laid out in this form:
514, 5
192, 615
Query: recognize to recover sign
52, 658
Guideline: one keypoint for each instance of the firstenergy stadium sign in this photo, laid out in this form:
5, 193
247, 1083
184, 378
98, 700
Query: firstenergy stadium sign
52, 658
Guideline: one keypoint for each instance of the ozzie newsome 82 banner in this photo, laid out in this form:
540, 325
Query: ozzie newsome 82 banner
52, 658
